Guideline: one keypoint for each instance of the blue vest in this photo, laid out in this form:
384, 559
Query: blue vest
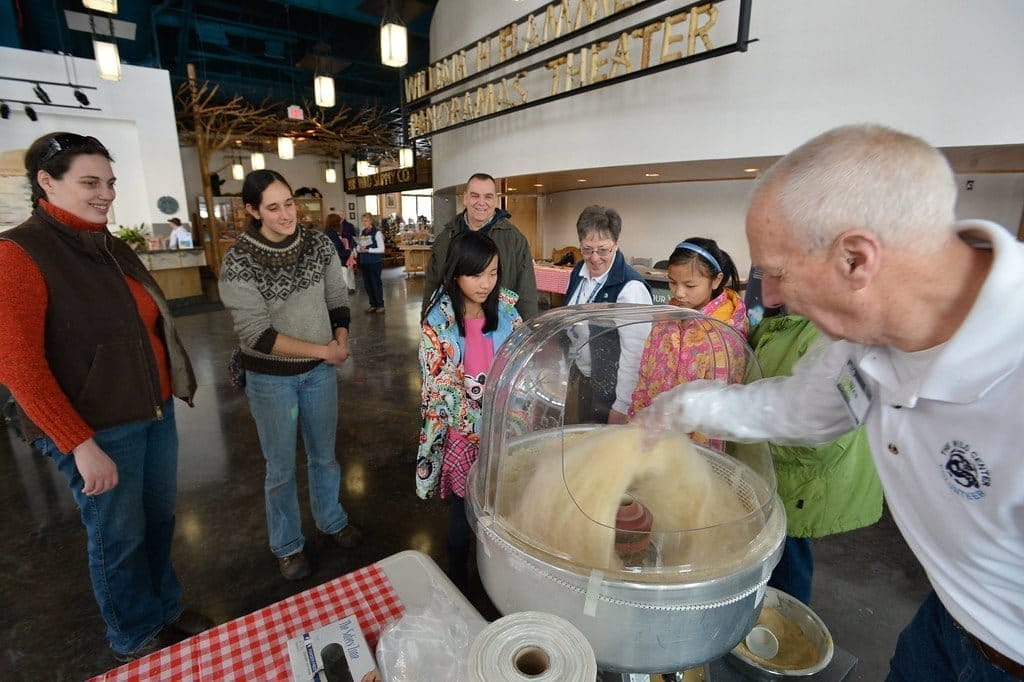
370, 258
604, 348
618, 275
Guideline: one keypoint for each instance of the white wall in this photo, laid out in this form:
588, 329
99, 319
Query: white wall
940, 69
657, 217
302, 171
936, 68
140, 132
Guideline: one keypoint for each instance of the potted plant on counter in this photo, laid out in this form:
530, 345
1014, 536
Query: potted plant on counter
135, 237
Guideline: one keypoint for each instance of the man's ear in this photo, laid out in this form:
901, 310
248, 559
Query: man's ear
858, 254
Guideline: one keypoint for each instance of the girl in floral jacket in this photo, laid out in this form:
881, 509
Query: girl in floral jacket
468, 319
702, 277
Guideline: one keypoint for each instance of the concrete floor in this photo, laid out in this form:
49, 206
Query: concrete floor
867, 583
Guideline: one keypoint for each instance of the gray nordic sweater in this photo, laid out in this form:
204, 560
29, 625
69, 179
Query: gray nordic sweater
293, 287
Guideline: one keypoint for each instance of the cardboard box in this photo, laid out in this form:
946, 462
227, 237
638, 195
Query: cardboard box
334, 653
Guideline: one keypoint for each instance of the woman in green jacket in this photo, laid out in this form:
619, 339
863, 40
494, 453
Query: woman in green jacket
829, 489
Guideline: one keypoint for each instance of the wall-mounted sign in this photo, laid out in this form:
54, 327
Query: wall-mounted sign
681, 37
394, 180
548, 25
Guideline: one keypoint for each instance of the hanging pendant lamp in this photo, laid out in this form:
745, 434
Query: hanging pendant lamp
285, 148
257, 161
323, 91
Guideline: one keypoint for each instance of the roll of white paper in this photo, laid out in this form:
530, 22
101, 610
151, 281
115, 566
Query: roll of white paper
531, 646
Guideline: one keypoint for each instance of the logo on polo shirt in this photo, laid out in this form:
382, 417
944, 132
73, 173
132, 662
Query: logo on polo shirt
965, 472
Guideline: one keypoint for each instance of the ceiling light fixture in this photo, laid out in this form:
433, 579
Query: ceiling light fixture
751, 170
538, 184
285, 148
405, 157
323, 91
257, 161
652, 175
394, 46
363, 168
31, 113
108, 6
582, 180
108, 59
81, 97
237, 169
5, 110
330, 175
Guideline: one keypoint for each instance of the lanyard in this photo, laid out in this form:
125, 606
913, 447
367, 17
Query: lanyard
591, 296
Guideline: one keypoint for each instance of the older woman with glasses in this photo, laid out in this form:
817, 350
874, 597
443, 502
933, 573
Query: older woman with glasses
89, 350
605, 374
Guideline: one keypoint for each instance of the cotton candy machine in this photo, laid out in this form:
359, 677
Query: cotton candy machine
656, 546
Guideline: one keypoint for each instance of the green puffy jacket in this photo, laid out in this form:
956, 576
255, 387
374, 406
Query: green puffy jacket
831, 488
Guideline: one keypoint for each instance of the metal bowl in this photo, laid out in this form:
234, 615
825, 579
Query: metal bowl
798, 613
643, 622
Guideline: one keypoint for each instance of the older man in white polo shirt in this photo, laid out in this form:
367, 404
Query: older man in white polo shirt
855, 230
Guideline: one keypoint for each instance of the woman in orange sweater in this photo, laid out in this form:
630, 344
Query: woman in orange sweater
89, 351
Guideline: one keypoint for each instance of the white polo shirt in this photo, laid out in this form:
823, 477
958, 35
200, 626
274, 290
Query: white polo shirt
946, 430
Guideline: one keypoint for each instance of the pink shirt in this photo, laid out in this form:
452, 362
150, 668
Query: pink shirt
479, 349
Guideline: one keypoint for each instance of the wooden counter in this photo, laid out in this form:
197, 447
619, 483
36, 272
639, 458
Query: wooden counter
417, 256
176, 271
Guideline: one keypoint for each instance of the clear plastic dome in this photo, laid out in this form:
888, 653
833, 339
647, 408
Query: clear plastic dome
554, 479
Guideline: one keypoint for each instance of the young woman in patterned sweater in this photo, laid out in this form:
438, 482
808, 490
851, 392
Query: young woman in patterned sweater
284, 287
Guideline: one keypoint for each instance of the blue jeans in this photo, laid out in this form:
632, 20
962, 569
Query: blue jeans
933, 648
372, 283
279, 404
795, 571
130, 528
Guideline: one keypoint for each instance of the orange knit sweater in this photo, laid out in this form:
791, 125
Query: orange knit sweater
23, 366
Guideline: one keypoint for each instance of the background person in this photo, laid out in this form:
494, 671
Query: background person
371, 263
103, 414
344, 243
605, 372
482, 213
181, 236
469, 319
830, 489
701, 277
855, 230
283, 285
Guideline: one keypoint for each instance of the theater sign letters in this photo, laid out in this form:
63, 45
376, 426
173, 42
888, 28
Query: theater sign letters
694, 32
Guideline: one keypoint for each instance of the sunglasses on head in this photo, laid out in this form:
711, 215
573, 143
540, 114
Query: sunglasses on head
70, 142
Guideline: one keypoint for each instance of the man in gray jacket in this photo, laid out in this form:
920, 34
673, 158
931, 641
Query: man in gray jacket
481, 213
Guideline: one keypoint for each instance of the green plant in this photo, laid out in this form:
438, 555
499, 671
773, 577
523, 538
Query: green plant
136, 237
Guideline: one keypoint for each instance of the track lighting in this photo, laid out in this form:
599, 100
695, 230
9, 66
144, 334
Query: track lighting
31, 113
43, 96
5, 110
82, 99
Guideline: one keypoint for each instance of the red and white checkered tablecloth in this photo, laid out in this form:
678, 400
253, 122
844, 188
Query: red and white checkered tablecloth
255, 647
552, 279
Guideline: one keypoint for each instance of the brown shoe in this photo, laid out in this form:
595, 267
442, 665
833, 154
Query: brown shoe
294, 566
371, 309
160, 640
348, 537
379, 310
189, 623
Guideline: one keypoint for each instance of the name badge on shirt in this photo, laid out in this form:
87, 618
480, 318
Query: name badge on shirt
854, 392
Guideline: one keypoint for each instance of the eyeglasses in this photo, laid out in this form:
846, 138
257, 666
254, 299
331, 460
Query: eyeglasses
603, 252
70, 142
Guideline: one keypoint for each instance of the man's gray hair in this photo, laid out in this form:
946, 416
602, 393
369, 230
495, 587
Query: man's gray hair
868, 177
600, 221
